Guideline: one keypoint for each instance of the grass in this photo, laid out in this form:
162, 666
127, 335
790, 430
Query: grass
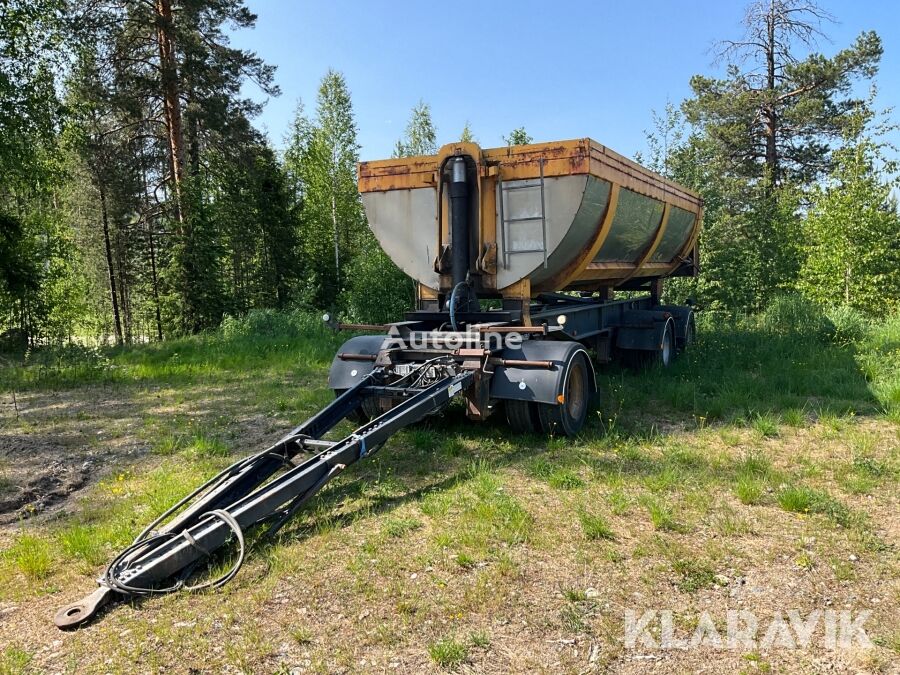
595, 527
480, 517
448, 652
693, 575
749, 490
441, 545
766, 425
661, 515
800, 499
31, 555
14, 661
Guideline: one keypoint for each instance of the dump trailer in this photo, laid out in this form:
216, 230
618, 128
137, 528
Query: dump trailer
517, 254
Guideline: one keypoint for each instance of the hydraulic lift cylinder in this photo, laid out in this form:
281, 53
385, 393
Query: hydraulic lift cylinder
459, 221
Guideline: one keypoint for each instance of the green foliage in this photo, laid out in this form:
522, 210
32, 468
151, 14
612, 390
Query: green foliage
377, 290
18, 265
754, 144
467, 135
852, 233
787, 315
421, 136
321, 160
518, 137
771, 117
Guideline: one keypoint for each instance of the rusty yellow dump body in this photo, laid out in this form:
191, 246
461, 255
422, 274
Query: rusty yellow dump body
543, 217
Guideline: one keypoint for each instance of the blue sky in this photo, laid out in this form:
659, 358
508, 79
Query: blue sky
560, 68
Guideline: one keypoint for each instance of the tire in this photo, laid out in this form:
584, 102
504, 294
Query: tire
568, 418
666, 355
690, 334
367, 411
522, 416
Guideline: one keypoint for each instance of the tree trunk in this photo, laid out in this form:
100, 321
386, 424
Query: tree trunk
193, 138
770, 112
337, 248
155, 279
109, 266
165, 38
124, 304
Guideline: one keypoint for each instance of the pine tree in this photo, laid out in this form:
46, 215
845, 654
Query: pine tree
420, 137
467, 136
774, 114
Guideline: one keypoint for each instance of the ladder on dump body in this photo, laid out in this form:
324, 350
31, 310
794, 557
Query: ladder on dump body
507, 223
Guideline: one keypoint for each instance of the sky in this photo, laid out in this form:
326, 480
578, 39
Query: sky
560, 68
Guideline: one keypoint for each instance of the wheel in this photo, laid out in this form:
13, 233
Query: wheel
568, 417
367, 411
664, 356
690, 334
522, 416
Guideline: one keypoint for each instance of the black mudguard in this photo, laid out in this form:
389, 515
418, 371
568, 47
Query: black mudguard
540, 385
346, 373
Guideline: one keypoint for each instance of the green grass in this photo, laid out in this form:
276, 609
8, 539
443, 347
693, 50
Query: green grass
448, 652
203, 445
399, 527
468, 508
693, 574
564, 479
478, 517
262, 342
758, 369
595, 527
557, 476
14, 661
749, 490
661, 515
107, 521
766, 425
31, 555
800, 499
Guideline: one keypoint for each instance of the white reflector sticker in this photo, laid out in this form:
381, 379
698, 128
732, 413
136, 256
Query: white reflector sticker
455, 389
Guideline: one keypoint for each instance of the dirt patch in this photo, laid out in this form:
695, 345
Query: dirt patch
36, 474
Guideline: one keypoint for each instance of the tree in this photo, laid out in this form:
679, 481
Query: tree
322, 156
420, 136
34, 49
18, 269
852, 234
252, 208
750, 236
664, 142
518, 137
467, 136
774, 115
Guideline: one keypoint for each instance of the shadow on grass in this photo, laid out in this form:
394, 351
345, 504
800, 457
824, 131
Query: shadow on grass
731, 375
